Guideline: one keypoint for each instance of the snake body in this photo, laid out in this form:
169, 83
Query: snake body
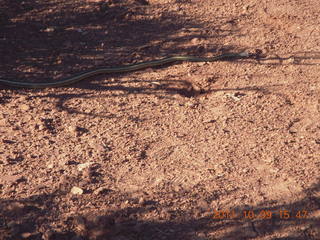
122, 69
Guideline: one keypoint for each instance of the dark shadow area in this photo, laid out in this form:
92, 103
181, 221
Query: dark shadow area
163, 88
48, 41
41, 43
42, 217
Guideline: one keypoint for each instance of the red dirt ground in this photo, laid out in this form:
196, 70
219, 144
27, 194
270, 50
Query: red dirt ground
223, 150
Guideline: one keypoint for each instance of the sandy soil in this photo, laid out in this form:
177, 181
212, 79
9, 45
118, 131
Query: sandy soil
224, 150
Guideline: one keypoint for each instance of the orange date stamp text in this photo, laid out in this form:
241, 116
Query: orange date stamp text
259, 214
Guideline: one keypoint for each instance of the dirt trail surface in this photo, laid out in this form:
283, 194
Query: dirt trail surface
223, 150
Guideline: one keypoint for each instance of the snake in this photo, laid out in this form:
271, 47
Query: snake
122, 69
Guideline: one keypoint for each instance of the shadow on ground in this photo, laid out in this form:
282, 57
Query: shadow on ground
83, 35
47, 41
42, 217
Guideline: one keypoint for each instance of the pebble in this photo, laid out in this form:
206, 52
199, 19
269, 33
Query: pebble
49, 29
84, 165
141, 200
41, 126
195, 40
24, 107
73, 129
190, 104
290, 60
26, 235
50, 165
233, 96
76, 190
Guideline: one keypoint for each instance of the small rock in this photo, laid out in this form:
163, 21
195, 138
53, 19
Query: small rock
82, 166
156, 83
24, 107
190, 104
50, 165
290, 60
26, 235
269, 159
245, 9
73, 129
49, 29
39, 125
141, 200
76, 191
233, 96
219, 170
196, 89
195, 40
